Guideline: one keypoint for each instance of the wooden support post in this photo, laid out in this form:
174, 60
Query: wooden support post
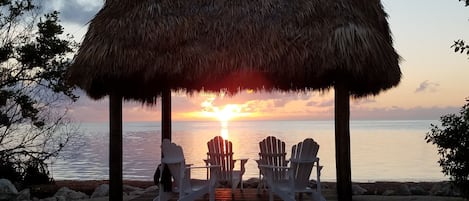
342, 142
115, 148
166, 115
166, 133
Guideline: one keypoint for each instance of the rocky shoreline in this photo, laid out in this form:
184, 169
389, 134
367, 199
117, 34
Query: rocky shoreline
91, 189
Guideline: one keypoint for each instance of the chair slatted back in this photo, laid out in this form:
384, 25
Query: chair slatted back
220, 152
273, 152
173, 157
303, 151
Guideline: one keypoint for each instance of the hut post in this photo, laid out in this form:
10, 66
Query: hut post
166, 133
342, 142
115, 147
166, 115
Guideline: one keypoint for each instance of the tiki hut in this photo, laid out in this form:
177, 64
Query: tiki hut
140, 50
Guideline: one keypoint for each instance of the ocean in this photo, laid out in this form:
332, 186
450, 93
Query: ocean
380, 150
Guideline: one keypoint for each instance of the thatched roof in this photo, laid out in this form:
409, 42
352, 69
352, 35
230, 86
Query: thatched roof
139, 48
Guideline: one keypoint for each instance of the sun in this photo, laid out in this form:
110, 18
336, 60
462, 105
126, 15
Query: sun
227, 112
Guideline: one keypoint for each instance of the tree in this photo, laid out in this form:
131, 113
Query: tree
460, 45
34, 55
452, 141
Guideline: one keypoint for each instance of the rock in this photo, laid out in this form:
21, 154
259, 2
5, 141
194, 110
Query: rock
7, 190
152, 188
54, 198
403, 190
49, 199
137, 192
358, 190
69, 194
128, 188
101, 191
61, 198
389, 192
24, 195
417, 190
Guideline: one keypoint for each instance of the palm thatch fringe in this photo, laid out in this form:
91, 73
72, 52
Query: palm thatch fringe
230, 45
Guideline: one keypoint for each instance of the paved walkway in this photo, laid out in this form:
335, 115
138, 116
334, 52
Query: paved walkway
224, 194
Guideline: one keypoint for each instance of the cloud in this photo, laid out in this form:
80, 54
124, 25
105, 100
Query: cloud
327, 103
398, 113
362, 101
87, 110
74, 11
312, 103
427, 86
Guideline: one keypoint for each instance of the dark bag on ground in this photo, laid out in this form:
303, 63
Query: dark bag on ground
165, 178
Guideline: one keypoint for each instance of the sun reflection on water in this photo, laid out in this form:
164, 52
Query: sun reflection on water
224, 129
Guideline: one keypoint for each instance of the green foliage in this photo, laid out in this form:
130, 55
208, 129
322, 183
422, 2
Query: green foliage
36, 173
452, 141
34, 56
460, 45
8, 170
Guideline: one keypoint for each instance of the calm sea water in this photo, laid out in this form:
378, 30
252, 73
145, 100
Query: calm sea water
381, 150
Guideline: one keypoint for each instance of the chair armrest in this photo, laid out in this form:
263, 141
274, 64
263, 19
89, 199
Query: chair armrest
273, 167
243, 162
171, 160
208, 166
304, 161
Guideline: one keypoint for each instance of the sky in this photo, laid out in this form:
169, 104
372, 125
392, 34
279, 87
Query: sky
435, 79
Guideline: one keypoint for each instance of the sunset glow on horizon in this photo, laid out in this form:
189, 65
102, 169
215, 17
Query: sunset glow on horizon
221, 112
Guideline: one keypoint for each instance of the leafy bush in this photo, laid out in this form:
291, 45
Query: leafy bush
8, 170
33, 174
36, 173
452, 140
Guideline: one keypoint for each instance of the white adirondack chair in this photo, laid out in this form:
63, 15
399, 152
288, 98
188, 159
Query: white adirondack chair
220, 152
272, 152
304, 157
187, 188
